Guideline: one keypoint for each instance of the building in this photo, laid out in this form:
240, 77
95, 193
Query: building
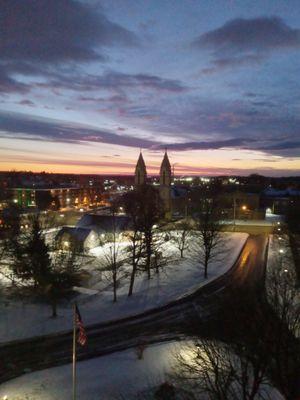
91, 230
241, 205
165, 180
78, 239
279, 201
140, 175
46, 198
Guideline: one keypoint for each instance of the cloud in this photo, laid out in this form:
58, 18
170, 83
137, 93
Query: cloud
10, 85
19, 126
41, 37
54, 31
194, 125
207, 145
114, 81
264, 33
246, 41
202, 123
26, 102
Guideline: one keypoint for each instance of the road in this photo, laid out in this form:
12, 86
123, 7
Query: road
170, 322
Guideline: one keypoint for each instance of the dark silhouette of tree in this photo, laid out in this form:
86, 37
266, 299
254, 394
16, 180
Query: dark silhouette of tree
30, 254
183, 232
113, 257
132, 202
43, 199
150, 212
207, 232
217, 370
52, 272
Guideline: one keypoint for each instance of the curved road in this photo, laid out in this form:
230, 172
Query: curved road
166, 323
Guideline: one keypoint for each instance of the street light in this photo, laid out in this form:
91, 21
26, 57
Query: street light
244, 208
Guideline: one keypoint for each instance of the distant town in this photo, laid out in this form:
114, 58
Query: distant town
250, 197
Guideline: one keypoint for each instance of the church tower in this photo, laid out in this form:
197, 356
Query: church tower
140, 172
165, 180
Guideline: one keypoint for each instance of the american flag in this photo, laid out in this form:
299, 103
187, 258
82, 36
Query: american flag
82, 338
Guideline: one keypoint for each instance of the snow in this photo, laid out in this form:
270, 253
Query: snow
178, 278
106, 377
249, 222
102, 377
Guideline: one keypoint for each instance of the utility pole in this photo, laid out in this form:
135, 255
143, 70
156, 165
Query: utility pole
234, 211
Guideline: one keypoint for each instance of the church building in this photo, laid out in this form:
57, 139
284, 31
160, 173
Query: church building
165, 180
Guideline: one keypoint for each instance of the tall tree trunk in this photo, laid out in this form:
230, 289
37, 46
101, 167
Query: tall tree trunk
54, 308
148, 264
132, 278
115, 287
205, 269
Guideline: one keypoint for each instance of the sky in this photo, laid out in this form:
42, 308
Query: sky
85, 85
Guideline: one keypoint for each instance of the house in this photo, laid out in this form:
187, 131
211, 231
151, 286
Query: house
79, 239
90, 231
103, 224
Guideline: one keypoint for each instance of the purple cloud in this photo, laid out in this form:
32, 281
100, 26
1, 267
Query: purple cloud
238, 35
114, 81
246, 41
10, 85
55, 31
19, 126
38, 38
208, 145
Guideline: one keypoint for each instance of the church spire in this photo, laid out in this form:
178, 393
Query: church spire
140, 171
165, 171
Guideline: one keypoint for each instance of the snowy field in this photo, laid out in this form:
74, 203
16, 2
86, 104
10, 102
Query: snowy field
116, 376
179, 277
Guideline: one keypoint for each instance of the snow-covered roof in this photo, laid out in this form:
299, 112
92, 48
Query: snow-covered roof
103, 223
79, 234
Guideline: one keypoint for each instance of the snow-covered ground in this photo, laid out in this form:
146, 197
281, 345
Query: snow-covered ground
100, 378
249, 222
106, 378
24, 319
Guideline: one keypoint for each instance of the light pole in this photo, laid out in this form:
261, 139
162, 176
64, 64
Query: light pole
234, 211
173, 170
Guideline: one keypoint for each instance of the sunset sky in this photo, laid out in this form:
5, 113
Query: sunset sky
84, 85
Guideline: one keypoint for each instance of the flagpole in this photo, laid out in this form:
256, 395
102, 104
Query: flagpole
74, 352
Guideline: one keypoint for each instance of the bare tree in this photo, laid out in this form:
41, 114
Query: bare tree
207, 233
183, 232
281, 286
147, 214
219, 371
150, 215
113, 255
135, 248
283, 297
